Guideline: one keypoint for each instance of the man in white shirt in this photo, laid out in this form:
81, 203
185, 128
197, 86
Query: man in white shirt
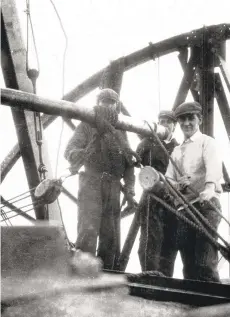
198, 160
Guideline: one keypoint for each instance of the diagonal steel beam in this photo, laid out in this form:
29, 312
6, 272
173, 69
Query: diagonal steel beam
222, 103
14, 72
183, 56
225, 71
187, 79
14, 154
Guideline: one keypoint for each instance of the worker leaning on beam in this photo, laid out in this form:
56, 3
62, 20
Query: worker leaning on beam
155, 221
198, 160
99, 185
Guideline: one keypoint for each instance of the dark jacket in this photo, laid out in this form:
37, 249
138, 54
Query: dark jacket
152, 154
100, 154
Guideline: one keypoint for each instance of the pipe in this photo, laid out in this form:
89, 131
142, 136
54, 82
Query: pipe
28, 101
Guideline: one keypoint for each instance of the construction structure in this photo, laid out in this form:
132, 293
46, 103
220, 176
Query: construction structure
200, 52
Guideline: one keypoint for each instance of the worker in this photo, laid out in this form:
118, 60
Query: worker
105, 163
153, 217
197, 158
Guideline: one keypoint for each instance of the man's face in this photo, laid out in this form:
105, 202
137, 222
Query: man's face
189, 124
107, 102
168, 123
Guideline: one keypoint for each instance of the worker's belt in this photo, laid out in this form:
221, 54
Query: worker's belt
102, 175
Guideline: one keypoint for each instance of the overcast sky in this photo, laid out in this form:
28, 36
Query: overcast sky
100, 31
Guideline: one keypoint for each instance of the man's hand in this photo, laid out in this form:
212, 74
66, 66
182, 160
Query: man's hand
130, 201
184, 182
208, 193
128, 197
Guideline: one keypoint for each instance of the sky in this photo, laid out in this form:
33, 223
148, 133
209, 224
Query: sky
99, 31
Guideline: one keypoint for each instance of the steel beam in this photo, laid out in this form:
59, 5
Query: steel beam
129, 242
189, 39
207, 63
183, 57
187, 79
23, 100
222, 103
225, 71
14, 154
14, 72
112, 77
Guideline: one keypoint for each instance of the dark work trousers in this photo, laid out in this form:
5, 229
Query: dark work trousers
99, 216
199, 256
154, 219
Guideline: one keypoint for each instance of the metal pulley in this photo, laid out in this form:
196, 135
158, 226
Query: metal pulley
49, 189
149, 179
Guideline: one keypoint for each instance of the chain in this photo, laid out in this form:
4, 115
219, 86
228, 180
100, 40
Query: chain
224, 250
187, 205
180, 173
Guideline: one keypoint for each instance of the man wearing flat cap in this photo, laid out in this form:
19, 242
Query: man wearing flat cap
198, 160
105, 163
153, 216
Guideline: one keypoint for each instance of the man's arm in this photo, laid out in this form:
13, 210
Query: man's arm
170, 172
213, 166
74, 152
129, 180
213, 163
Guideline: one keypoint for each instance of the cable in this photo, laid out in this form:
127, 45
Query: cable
188, 205
19, 215
224, 250
3, 214
29, 21
180, 173
62, 124
159, 84
63, 80
16, 208
32, 189
17, 200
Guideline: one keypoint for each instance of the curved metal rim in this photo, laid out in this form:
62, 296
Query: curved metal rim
217, 33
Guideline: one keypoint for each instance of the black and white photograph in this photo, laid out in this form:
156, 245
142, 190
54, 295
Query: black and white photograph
115, 158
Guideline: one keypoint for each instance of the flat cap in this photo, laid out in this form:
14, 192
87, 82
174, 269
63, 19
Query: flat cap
108, 93
168, 114
188, 107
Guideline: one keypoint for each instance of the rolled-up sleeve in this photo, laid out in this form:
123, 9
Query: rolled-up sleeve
171, 173
129, 180
213, 163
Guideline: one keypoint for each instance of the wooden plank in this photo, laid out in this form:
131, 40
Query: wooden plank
14, 71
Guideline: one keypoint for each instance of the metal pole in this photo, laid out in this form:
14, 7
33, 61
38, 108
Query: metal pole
28, 101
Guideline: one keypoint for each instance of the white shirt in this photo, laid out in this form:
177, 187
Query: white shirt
198, 158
